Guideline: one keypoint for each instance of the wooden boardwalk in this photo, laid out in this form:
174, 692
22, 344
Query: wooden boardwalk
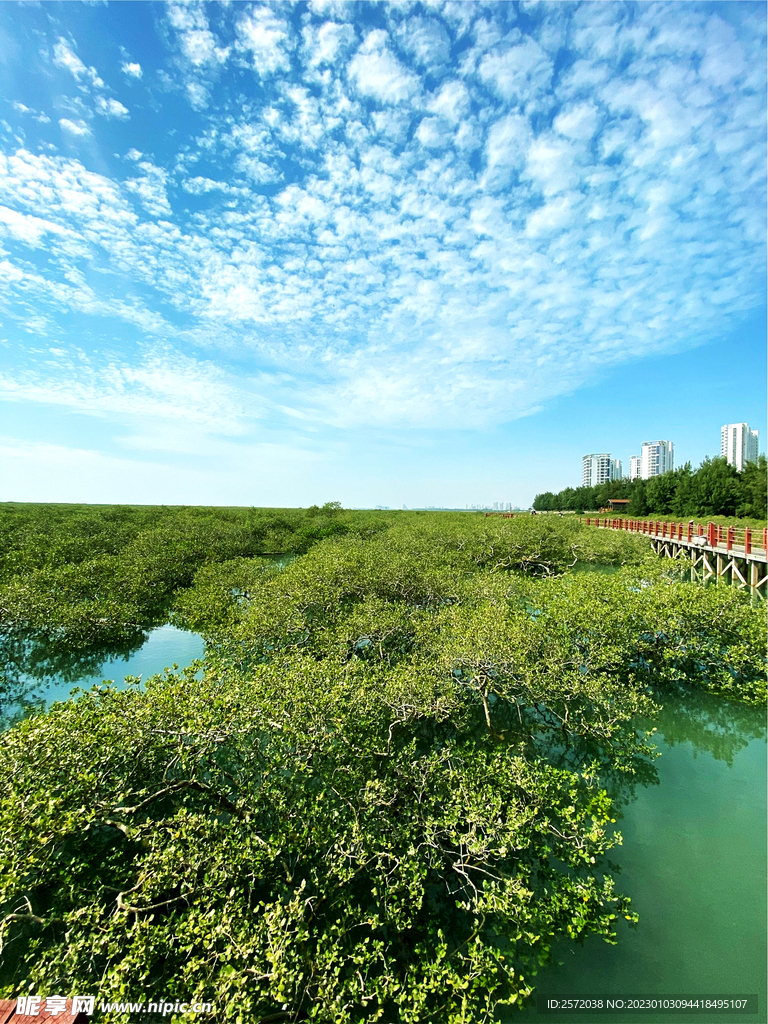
736, 554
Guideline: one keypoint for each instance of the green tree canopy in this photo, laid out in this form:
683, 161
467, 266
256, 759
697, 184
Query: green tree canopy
389, 791
714, 489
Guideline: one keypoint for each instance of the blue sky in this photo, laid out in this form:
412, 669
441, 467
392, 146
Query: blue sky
277, 254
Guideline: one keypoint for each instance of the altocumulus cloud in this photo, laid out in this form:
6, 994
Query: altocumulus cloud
428, 215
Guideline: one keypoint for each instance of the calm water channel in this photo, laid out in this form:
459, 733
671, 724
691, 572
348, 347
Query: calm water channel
163, 647
34, 677
694, 862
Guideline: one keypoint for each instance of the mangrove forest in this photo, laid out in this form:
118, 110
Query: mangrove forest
391, 788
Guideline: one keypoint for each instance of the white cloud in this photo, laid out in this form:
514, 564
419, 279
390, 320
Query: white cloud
74, 127
518, 72
553, 216
459, 15
379, 74
110, 108
324, 43
508, 141
257, 170
163, 385
400, 245
583, 77
132, 69
65, 189
426, 40
65, 57
200, 186
150, 188
434, 132
393, 123
551, 165
579, 122
339, 10
266, 37
452, 101
198, 43
724, 58
26, 227
667, 121
9, 273
198, 94
38, 116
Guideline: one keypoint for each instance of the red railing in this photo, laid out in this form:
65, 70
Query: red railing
730, 537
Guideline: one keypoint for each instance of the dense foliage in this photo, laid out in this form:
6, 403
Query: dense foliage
391, 789
714, 489
103, 575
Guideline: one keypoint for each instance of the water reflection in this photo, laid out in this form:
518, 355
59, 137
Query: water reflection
33, 655
709, 723
36, 670
38, 667
693, 860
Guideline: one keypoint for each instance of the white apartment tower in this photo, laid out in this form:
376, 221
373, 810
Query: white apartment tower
738, 444
635, 462
599, 469
657, 457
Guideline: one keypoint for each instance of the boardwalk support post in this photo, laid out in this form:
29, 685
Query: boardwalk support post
742, 561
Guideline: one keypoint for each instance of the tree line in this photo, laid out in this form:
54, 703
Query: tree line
714, 489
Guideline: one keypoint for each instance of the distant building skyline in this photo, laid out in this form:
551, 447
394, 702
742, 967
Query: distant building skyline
598, 468
496, 506
738, 444
656, 458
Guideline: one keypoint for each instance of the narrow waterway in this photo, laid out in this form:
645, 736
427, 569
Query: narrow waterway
36, 674
693, 860
22, 692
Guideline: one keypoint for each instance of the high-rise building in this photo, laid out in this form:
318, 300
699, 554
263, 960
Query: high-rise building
738, 444
599, 469
657, 457
635, 463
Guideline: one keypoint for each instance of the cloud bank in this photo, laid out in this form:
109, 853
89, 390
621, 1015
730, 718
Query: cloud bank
432, 216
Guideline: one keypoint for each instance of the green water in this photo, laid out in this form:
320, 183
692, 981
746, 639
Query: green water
35, 674
24, 691
694, 862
